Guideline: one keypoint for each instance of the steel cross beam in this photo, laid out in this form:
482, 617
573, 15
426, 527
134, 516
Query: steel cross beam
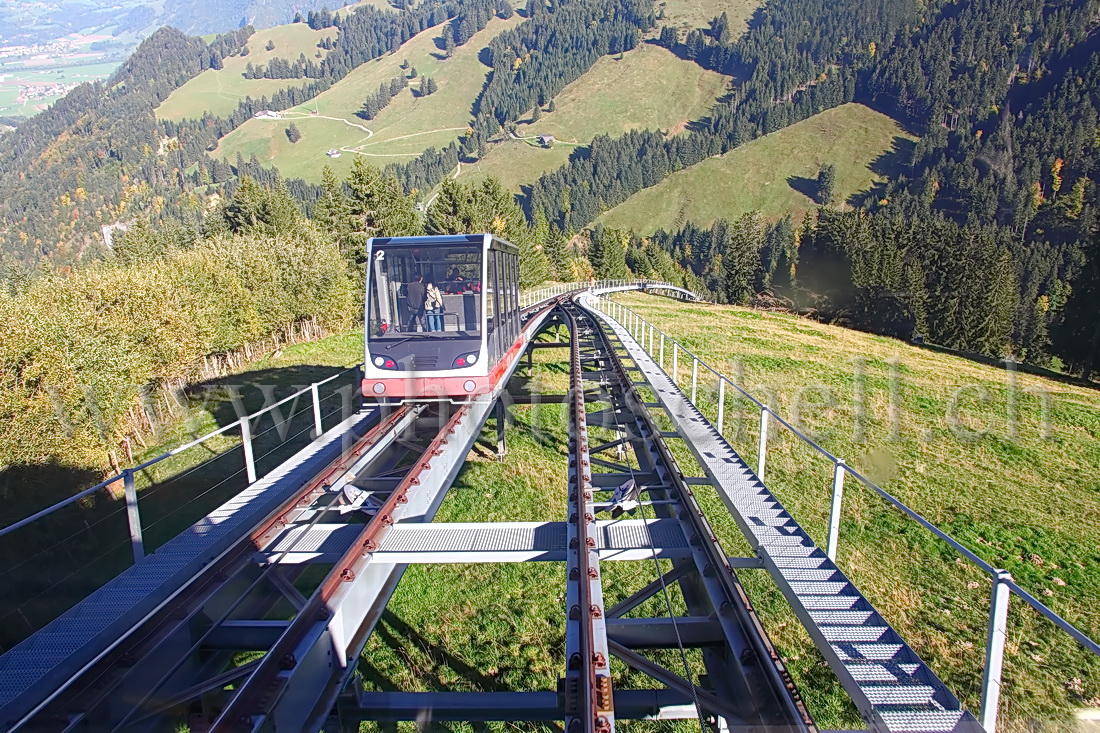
589, 705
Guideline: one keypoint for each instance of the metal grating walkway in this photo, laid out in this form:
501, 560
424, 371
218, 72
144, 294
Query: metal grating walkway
482, 542
890, 685
50, 658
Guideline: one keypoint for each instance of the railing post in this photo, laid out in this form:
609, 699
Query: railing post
317, 428
995, 650
133, 515
661, 360
762, 448
694, 377
651, 339
359, 387
675, 361
834, 511
246, 443
721, 403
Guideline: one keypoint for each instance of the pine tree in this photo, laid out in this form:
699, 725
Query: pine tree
332, 212
270, 45
139, 243
293, 134
670, 37
554, 245
607, 252
695, 44
742, 257
826, 179
721, 29
451, 210
379, 207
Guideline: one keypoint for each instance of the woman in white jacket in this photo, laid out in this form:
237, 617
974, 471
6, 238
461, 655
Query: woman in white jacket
433, 307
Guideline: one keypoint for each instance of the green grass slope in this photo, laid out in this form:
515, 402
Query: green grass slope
687, 14
773, 174
649, 88
220, 91
1008, 469
406, 127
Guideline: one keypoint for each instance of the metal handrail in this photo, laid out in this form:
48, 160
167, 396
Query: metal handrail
126, 475
1003, 584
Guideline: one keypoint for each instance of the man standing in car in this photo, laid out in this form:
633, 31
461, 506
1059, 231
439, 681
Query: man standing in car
414, 298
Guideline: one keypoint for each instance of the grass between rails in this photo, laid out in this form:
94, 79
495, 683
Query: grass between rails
404, 129
648, 88
936, 431
775, 174
501, 627
220, 91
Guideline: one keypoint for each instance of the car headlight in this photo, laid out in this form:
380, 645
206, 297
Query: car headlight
383, 362
464, 360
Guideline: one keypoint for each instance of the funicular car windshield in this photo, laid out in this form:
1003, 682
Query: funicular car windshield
400, 307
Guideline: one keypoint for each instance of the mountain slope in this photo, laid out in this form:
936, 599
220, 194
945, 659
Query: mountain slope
647, 88
218, 91
401, 131
775, 174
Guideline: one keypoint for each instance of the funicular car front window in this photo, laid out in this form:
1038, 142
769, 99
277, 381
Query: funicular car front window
425, 292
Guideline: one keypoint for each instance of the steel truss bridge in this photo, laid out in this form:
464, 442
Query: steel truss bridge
163, 642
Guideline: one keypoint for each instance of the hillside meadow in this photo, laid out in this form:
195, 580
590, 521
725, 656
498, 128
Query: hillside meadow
775, 174
404, 129
219, 91
649, 88
684, 15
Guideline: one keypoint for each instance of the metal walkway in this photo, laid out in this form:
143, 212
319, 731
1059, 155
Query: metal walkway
890, 685
50, 658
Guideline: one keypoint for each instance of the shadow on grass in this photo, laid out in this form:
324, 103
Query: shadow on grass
896, 160
395, 633
805, 186
56, 561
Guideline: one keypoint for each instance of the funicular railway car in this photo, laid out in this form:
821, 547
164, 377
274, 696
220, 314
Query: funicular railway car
442, 315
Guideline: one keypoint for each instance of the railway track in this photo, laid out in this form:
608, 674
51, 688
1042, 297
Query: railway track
748, 684
266, 635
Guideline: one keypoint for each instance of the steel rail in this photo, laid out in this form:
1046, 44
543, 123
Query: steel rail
94, 679
393, 421
588, 666
254, 697
716, 566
